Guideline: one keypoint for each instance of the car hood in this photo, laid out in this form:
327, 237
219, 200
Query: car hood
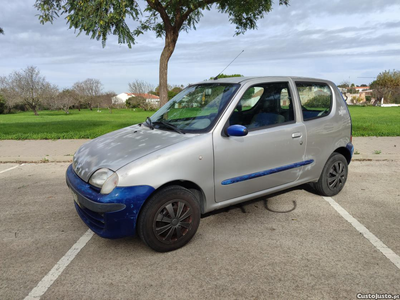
116, 149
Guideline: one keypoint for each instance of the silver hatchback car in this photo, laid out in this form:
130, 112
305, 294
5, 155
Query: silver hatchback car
216, 144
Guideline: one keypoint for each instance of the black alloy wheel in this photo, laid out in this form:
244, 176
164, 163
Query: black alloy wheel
173, 221
333, 176
169, 219
337, 176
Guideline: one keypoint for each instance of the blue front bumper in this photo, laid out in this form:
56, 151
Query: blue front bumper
110, 216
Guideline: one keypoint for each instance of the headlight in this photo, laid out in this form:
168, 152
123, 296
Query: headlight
104, 179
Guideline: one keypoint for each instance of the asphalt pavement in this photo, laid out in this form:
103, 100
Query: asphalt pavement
315, 251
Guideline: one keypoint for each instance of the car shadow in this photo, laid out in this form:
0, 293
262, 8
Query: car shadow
305, 187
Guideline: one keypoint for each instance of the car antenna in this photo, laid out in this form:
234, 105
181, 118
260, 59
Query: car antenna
216, 77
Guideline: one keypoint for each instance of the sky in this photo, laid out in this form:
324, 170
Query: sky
338, 40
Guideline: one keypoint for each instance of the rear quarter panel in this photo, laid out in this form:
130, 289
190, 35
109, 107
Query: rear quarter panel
325, 135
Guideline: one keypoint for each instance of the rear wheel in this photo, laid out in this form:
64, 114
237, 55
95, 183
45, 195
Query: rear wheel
169, 219
333, 177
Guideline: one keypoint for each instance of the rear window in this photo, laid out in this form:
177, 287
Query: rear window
316, 99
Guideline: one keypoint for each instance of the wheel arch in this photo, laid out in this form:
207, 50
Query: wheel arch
345, 152
191, 186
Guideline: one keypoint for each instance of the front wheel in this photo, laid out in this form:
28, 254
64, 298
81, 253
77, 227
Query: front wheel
333, 177
169, 219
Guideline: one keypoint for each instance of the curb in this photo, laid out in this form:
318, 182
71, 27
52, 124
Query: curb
44, 159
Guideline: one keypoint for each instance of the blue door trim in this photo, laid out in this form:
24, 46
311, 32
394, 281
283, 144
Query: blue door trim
266, 172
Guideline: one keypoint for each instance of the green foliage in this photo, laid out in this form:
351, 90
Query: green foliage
173, 92
2, 104
167, 18
135, 102
97, 18
138, 102
100, 18
387, 79
226, 76
319, 101
387, 86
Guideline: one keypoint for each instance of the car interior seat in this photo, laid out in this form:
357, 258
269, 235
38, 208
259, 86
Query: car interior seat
268, 116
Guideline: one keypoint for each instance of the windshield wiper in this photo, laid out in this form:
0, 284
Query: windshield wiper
169, 125
149, 123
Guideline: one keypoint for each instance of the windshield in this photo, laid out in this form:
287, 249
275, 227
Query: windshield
195, 109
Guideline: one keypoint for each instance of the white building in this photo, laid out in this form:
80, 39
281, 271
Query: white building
121, 98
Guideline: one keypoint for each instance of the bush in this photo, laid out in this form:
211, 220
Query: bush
2, 105
135, 102
138, 102
320, 101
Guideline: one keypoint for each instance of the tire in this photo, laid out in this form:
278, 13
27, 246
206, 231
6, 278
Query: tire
169, 219
333, 176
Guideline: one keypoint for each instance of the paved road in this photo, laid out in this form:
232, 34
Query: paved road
309, 253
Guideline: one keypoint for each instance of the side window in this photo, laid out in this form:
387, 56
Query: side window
264, 105
316, 99
251, 97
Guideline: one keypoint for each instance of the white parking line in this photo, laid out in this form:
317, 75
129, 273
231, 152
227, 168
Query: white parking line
11, 168
54, 273
393, 257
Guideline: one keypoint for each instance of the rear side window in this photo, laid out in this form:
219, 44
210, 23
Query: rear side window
316, 99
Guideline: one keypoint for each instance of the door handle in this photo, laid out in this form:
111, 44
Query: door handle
296, 135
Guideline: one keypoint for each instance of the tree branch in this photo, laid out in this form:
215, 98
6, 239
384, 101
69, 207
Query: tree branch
179, 21
156, 5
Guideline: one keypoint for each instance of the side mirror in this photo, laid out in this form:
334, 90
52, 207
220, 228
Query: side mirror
237, 130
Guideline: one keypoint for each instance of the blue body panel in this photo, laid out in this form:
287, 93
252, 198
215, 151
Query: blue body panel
110, 224
350, 147
266, 172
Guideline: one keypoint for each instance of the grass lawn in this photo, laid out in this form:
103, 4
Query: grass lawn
86, 124
375, 121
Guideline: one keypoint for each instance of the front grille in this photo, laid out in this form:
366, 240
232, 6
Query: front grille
94, 218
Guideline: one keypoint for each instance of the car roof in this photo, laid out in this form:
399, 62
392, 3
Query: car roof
260, 78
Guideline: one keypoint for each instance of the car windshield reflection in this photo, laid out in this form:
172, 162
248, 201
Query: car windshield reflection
195, 109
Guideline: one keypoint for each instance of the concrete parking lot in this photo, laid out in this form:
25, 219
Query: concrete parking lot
309, 253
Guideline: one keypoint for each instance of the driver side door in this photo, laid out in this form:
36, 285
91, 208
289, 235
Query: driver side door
272, 152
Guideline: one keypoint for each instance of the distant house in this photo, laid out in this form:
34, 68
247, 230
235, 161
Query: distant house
121, 98
152, 99
362, 88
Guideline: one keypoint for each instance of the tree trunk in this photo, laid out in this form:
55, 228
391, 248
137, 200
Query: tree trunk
171, 37
32, 106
